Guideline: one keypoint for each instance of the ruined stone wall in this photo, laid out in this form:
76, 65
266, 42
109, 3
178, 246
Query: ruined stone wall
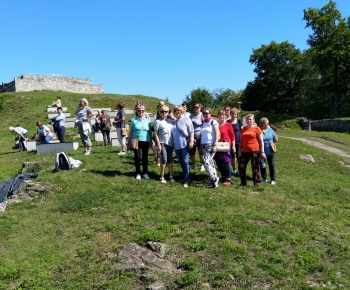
28, 83
331, 125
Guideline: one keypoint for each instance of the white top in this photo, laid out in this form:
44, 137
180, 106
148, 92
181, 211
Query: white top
19, 130
44, 130
208, 132
164, 131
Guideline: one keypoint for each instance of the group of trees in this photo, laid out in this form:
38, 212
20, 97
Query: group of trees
314, 83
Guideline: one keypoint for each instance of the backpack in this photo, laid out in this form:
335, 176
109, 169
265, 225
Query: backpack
62, 162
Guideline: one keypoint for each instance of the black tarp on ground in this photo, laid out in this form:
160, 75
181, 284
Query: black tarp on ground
11, 186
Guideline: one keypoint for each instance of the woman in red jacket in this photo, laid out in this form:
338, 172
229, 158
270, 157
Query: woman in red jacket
223, 159
250, 148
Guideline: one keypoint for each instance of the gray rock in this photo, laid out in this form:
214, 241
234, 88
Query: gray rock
156, 286
307, 158
136, 257
158, 248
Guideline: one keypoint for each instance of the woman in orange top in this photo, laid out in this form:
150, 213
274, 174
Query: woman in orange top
250, 148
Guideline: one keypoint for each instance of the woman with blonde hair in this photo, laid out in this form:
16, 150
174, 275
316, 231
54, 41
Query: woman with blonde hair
140, 128
84, 113
164, 142
44, 133
269, 136
251, 148
119, 122
182, 133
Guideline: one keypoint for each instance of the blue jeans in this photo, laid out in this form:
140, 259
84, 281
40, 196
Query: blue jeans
60, 134
45, 139
225, 169
21, 141
183, 155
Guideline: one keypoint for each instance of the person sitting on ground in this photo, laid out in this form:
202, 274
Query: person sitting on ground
58, 124
105, 125
269, 136
119, 122
209, 140
44, 133
56, 103
164, 142
84, 113
22, 134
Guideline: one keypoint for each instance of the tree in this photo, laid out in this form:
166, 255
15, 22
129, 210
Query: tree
330, 48
279, 74
226, 97
199, 95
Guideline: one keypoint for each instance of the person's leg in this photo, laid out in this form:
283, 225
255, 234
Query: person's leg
144, 149
208, 161
47, 139
193, 156
271, 163
163, 160
255, 161
263, 170
169, 154
183, 157
242, 166
108, 133
104, 135
137, 160
62, 131
226, 171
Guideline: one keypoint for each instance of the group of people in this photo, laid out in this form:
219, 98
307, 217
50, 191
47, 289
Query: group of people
187, 133
84, 113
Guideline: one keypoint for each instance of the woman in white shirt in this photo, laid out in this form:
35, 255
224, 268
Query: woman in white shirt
44, 133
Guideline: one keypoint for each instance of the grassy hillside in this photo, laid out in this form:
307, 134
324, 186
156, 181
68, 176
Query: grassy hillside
294, 235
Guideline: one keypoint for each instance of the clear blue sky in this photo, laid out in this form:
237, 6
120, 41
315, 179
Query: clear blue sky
159, 48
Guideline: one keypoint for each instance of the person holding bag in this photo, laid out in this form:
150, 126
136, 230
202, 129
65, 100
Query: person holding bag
183, 136
223, 159
269, 138
140, 137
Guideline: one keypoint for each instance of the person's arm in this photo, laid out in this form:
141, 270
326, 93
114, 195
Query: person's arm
275, 138
217, 135
261, 144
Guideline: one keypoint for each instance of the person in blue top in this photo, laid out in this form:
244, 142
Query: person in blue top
269, 136
183, 135
84, 113
58, 124
140, 128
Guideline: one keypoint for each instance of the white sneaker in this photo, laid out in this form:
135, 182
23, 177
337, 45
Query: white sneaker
273, 182
121, 153
138, 176
202, 168
216, 182
162, 180
264, 181
234, 172
87, 153
171, 179
145, 176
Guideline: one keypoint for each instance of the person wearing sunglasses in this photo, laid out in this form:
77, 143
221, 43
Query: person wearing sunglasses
209, 139
164, 142
183, 136
237, 127
227, 111
140, 128
197, 121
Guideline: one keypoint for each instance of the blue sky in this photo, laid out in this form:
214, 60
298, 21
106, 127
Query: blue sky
159, 48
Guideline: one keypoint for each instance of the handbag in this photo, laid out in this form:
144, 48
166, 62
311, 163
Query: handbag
187, 138
223, 147
133, 144
272, 145
123, 132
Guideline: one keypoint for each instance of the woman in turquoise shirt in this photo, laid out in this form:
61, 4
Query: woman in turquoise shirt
140, 128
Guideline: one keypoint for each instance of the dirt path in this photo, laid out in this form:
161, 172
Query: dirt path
322, 146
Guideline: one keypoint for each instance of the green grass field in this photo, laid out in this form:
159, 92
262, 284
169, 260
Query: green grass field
294, 235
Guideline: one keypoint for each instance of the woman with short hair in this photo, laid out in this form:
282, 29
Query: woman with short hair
236, 126
227, 111
183, 136
140, 128
84, 113
22, 134
197, 121
44, 132
223, 159
209, 139
119, 122
251, 148
164, 142
269, 136
105, 125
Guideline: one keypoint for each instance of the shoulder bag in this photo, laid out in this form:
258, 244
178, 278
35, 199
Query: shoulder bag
183, 134
133, 144
272, 145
